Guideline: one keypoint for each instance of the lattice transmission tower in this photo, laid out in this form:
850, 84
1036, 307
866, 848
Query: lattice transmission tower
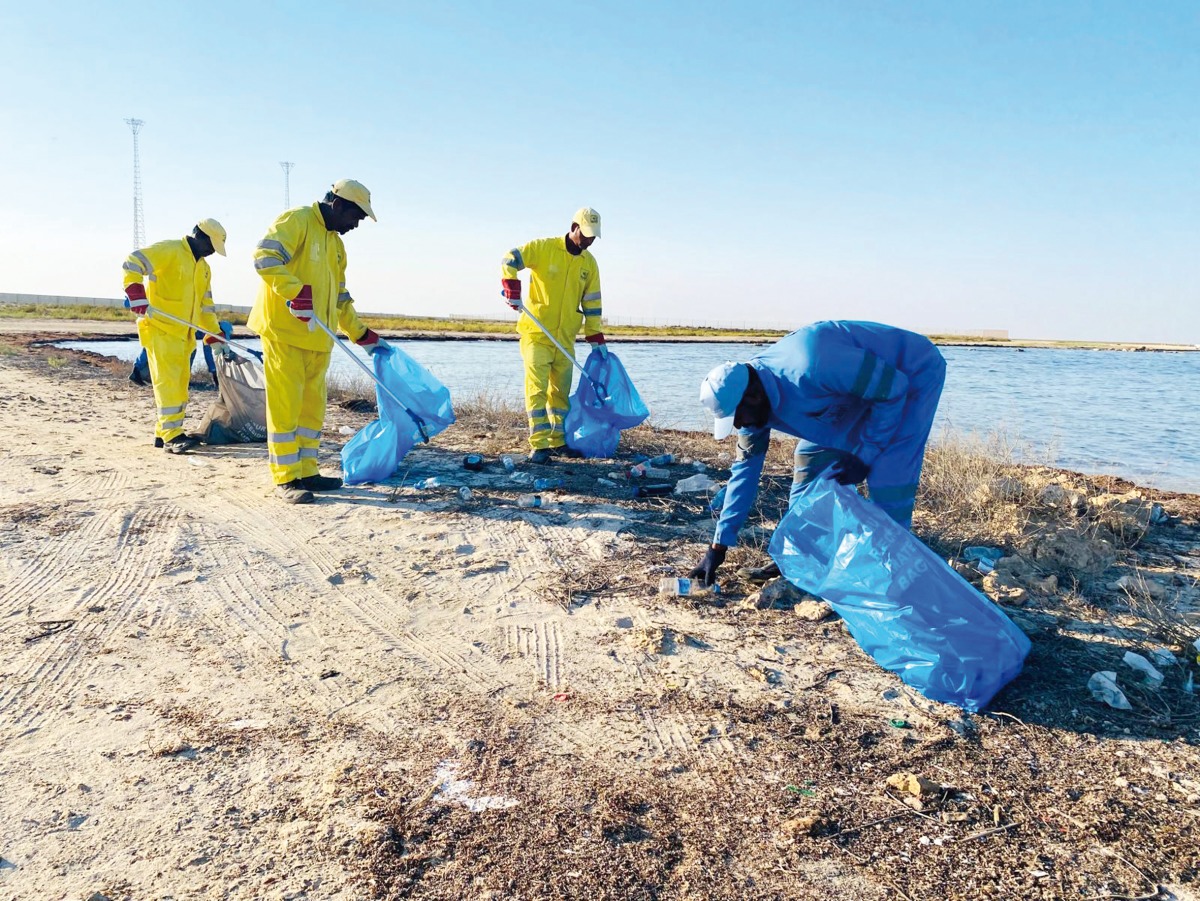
139, 231
287, 184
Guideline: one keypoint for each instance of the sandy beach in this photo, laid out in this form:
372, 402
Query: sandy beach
207, 694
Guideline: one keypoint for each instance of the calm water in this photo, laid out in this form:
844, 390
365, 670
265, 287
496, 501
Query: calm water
1129, 414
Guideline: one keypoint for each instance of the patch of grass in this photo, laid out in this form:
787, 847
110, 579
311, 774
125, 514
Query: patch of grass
57, 362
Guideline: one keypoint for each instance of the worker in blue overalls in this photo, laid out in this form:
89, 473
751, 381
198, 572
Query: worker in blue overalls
861, 398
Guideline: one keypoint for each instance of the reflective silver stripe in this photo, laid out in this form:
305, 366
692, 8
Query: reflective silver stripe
308, 453
208, 295
267, 263
167, 411
307, 433
147, 266
540, 427
278, 248
555, 411
133, 267
170, 423
281, 437
595, 295
341, 284
285, 459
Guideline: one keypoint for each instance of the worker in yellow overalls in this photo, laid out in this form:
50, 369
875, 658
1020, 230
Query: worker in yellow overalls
302, 262
180, 285
564, 294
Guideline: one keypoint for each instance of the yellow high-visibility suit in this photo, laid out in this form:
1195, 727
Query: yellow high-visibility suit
564, 293
181, 285
299, 250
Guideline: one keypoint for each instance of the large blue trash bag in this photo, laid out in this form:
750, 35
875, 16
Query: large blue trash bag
374, 454
593, 426
906, 608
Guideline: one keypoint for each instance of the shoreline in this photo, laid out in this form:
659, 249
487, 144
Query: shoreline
52, 330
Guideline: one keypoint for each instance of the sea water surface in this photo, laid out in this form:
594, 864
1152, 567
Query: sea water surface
1129, 414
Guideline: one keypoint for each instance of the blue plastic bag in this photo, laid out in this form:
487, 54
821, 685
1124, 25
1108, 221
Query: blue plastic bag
374, 454
906, 608
593, 426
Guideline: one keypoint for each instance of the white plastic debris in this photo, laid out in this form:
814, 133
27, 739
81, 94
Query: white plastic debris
694, 484
1142, 665
345, 430
1103, 687
1190, 685
1163, 656
452, 790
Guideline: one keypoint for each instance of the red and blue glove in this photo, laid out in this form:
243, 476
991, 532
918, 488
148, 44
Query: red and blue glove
301, 306
511, 289
136, 299
371, 342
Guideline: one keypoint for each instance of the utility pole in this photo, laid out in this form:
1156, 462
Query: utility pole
139, 231
287, 184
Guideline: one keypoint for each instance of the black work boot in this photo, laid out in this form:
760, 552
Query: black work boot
158, 442
569, 452
541, 455
321, 483
294, 492
181, 444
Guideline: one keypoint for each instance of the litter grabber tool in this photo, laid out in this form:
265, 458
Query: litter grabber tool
237, 349
601, 392
417, 420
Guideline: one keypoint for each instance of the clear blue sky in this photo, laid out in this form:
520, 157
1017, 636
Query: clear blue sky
940, 166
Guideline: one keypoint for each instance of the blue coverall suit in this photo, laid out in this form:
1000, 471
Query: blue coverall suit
842, 388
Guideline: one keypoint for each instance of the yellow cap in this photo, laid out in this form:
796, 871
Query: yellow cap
355, 192
588, 221
216, 233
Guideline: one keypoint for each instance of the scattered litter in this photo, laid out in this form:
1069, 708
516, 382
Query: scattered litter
607, 483
662, 460
658, 489
1190, 685
900, 724
1142, 665
1158, 515
465, 493
694, 484
507, 462
985, 558
521, 478
529, 500
196, 461
699, 466
345, 430
797, 790
431, 482
676, 587
561, 696
1163, 657
452, 790
1103, 687
548, 484
330, 673
473, 462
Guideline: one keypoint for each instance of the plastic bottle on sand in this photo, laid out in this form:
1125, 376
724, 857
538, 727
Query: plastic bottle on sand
529, 500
